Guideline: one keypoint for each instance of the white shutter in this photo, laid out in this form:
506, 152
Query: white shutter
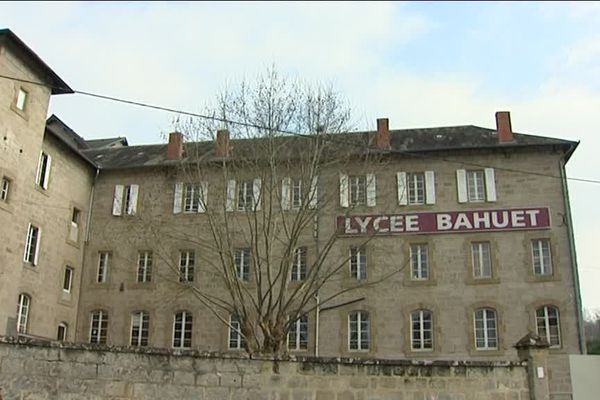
461, 185
313, 195
133, 197
178, 198
118, 200
37, 246
344, 190
203, 197
286, 184
47, 174
230, 200
256, 185
490, 184
402, 188
27, 242
371, 190
429, 187
39, 170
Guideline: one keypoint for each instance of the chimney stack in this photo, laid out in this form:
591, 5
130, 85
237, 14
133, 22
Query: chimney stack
175, 146
222, 148
382, 139
503, 126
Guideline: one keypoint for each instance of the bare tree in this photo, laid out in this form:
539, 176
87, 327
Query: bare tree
260, 198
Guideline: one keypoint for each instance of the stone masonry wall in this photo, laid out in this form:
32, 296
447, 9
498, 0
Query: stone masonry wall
34, 370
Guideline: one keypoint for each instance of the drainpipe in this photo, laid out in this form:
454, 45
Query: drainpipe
573, 255
317, 312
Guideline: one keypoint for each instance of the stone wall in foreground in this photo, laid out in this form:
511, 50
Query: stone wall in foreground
34, 370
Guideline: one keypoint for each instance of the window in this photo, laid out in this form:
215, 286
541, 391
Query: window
193, 200
182, 330
359, 331
482, 262
416, 188
21, 99
61, 333
236, 340
125, 200
23, 312
293, 193
548, 324
542, 260
139, 328
98, 327
103, 261
358, 190
43, 173
419, 261
68, 280
242, 264
296, 191
4, 189
476, 185
32, 245
486, 329
144, 269
298, 334
299, 264
358, 262
421, 334
186, 266
74, 230
243, 195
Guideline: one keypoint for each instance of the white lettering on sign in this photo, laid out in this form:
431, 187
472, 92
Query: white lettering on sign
363, 223
376, 223
412, 223
349, 228
444, 222
533, 216
396, 224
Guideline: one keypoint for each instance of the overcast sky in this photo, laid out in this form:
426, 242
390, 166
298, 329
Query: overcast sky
420, 64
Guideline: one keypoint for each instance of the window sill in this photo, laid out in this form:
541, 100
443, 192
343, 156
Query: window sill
41, 190
30, 267
420, 282
482, 281
543, 278
22, 113
74, 244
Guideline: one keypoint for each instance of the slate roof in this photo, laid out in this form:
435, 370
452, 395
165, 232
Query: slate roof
108, 142
402, 140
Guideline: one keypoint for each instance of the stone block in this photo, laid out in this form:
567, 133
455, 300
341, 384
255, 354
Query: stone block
359, 382
325, 395
346, 395
208, 380
216, 393
231, 379
184, 378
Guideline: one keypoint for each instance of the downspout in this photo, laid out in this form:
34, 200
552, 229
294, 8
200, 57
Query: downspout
573, 255
317, 313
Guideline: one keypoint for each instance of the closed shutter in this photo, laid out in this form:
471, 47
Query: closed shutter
37, 246
256, 185
429, 187
178, 198
286, 184
133, 198
118, 200
203, 197
402, 188
490, 184
313, 195
344, 190
461, 185
230, 201
371, 190
47, 174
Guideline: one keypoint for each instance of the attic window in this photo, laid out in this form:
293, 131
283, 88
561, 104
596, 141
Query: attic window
439, 136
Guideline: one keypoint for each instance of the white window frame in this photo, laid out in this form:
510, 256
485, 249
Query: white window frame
140, 324
415, 182
98, 326
21, 100
32, 245
5, 189
68, 279
359, 322
127, 196
299, 264
545, 319
183, 327
103, 265
235, 339
358, 262
43, 171
144, 266
74, 227
187, 265
418, 340
297, 339
357, 190
483, 334
293, 194
419, 262
481, 256
245, 195
23, 307
242, 261
476, 186
541, 255
62, 336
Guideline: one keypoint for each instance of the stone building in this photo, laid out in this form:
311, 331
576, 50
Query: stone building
461, 235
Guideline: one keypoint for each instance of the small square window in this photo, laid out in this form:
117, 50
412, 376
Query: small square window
21, 99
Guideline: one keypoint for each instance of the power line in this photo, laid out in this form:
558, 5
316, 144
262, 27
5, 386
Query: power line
256, 126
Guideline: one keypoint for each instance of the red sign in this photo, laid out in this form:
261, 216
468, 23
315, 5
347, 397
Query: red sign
445, 222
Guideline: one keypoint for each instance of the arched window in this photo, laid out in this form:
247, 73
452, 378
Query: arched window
486, 329
359, 331
140, 321
547, 321
421, 333
23, 312
61, 334
182, 330
98, 326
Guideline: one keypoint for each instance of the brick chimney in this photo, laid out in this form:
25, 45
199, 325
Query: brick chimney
175, 146
505, 133
222, 148
382, 139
